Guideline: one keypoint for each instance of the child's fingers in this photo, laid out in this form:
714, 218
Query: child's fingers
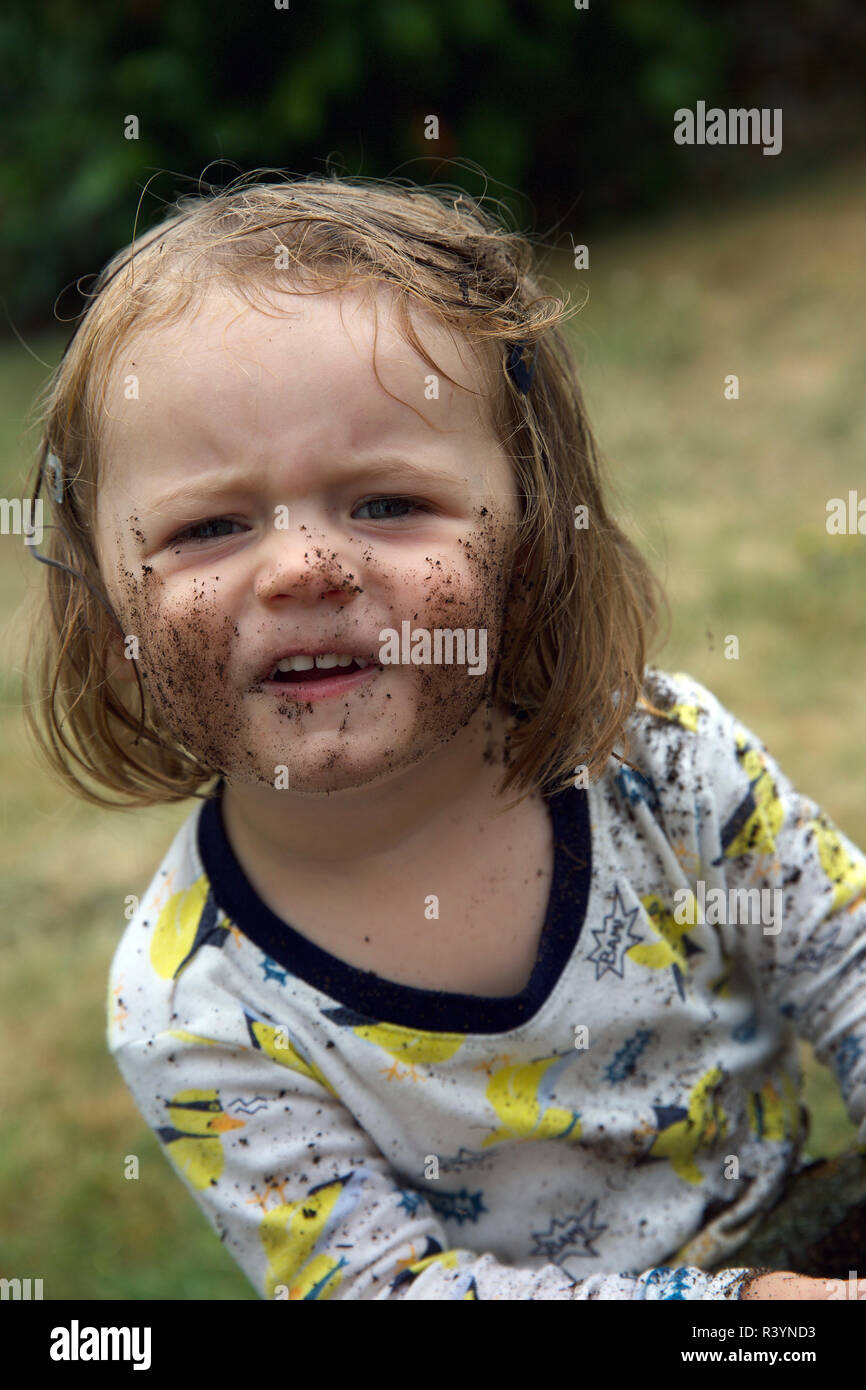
850, 1289
785, 1285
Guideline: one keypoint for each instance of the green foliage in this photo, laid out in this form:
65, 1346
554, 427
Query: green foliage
571, 107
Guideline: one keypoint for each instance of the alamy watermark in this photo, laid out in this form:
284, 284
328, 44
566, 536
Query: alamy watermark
76, 1343
846, 519
853, 1290
25, 516
437, 648
719, 907
736, 126
20, 1289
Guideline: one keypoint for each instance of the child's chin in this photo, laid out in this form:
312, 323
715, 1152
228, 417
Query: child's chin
319, 765
327, 781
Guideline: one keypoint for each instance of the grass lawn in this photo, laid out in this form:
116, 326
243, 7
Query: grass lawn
728, 498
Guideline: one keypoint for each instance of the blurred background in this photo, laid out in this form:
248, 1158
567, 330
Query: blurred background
702, 262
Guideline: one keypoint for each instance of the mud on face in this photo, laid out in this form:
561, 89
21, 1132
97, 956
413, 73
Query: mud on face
189, 660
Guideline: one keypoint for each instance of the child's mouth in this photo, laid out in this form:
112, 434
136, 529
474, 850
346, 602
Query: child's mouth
317, 673
319, 683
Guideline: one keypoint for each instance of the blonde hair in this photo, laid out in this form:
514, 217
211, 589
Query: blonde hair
578, 668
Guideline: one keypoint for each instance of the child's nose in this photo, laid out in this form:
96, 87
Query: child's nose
301, 564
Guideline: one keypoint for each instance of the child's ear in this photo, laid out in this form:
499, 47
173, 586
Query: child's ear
120, 657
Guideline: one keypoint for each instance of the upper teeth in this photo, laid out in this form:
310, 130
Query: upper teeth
302, 662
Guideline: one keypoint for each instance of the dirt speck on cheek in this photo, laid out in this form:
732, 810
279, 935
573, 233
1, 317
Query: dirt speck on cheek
184, 657
471, 597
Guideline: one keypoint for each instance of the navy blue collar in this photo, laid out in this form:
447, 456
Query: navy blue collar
364, 995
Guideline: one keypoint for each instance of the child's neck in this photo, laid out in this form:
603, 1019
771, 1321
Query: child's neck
362, 832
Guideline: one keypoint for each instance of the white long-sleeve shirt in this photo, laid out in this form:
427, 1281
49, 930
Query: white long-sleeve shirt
626, 1119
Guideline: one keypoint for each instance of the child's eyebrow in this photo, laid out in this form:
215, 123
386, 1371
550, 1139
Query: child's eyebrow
224, 483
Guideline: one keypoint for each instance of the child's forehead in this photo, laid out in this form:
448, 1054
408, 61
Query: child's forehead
230, 358
353, 320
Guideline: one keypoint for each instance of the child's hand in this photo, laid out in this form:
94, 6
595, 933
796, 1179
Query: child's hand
782, 1284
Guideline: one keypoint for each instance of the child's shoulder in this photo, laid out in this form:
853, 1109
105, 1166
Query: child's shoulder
676, 704
682, 700
680, 735
161, 934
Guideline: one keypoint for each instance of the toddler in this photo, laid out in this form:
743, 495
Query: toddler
477, 970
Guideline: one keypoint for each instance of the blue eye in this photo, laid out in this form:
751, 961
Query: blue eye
400, 501
190, 532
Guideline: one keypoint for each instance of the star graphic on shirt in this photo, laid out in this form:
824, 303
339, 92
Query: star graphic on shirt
571, 1237
614, 938
406, 1264
274, 1186
393, 1073
410, 1201
457, 1206
488, 1066
273, 970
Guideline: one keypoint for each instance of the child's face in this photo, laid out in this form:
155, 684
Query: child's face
232, 415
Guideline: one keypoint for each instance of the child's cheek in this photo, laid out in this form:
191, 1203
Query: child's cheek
185, 647
469, 600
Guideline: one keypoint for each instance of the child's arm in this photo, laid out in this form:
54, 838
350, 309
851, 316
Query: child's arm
803, 962
307, 1204
808, 958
